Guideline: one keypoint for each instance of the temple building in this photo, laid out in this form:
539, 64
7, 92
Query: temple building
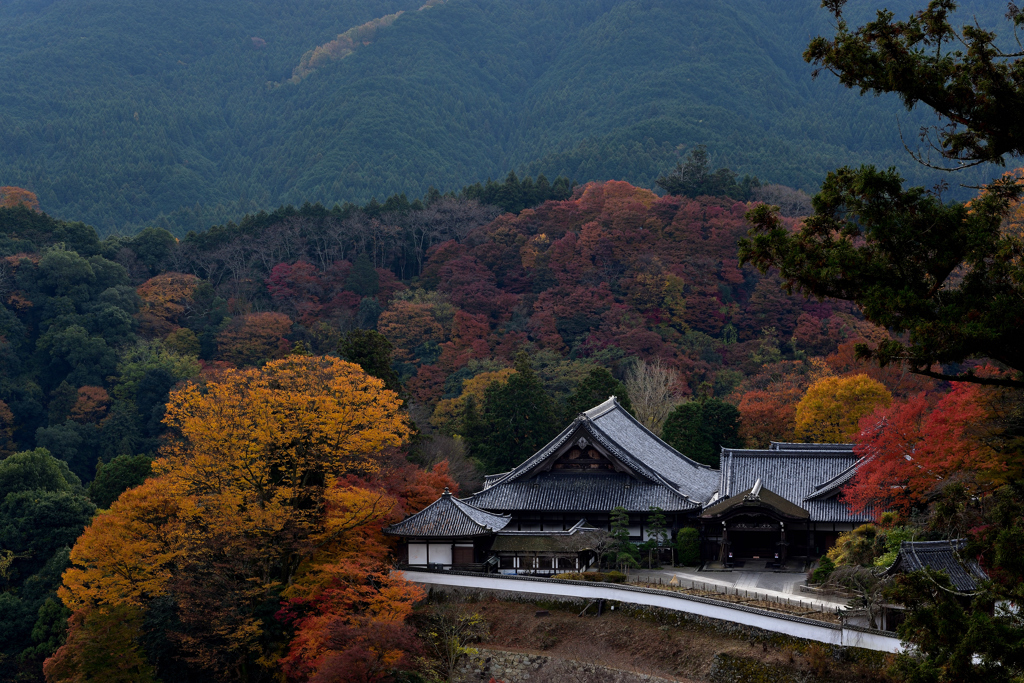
764, 504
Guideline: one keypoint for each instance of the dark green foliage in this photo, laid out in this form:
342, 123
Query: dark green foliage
38, 523
43, 509
693, 177
890, 250
371, 351
700, 429
963, 74
171, 117
956, 637
824, 569
363, 279
593, 390
369, 312
514, 195
36, 471
623, 553
688, 547
117, 476
517, 418
657, 527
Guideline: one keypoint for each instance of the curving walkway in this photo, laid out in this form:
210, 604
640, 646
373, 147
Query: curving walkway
794, 626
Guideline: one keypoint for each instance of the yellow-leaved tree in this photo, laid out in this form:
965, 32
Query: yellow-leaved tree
270, 474
831, 410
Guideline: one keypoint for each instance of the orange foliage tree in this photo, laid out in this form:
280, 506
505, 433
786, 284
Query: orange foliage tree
275, 484
164, 301
914, 448
91, 405
767, 401
11, 197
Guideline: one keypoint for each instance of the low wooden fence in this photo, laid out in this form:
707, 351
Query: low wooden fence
737, 613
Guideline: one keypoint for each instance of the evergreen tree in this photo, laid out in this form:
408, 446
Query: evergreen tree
694, 178
688, 547
593, 390
623, 551
657, 527
371, 351
700, 429
363, 278
518, 417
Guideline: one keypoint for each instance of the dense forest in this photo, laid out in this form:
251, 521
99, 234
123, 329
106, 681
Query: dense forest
439, 298
181, 114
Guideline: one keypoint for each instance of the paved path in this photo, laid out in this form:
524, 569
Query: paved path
782, 585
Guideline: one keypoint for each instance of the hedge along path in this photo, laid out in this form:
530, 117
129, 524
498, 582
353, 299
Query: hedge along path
754, 617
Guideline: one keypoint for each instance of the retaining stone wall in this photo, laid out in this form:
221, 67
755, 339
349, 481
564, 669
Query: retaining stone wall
517, 667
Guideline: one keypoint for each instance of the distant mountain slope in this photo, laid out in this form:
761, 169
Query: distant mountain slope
125, 114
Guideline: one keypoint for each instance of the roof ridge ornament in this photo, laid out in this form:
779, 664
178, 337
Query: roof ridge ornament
447, 493
755, 492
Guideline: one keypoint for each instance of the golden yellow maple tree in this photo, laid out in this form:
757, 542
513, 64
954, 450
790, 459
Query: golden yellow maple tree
831, 410
273, 434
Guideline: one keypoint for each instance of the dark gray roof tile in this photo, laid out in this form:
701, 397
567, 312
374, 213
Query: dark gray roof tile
809, 475
939, 556
449, 517
580, 492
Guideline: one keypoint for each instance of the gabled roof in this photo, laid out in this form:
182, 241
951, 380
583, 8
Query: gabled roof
808, 475
755, 498
939, 556
449, 517
646, 458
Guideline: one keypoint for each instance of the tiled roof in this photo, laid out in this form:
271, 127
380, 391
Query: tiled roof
939, 556
449, 517
644, 454
542, 540
755, 497
793, 446
694, 480
809, 475
581, 492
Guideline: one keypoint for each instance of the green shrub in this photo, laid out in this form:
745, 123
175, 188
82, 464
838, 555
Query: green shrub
688, 547
615, 577
825, 568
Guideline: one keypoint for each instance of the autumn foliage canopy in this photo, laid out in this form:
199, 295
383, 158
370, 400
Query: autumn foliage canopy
273, 491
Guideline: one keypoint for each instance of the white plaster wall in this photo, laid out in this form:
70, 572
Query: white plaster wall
440, 552
818, 632
417, 553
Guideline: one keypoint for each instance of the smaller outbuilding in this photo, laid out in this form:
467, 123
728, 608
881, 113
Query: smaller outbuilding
939, 556
447, 534
452, 534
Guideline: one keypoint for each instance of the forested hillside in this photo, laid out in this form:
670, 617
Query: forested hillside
439, 297
182, 114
